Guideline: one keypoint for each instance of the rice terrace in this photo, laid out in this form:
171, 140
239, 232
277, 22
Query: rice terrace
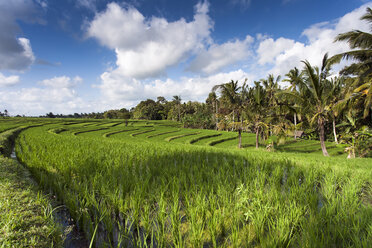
190, 138
155, 184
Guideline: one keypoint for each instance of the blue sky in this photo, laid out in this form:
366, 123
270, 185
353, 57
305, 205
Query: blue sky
94, 55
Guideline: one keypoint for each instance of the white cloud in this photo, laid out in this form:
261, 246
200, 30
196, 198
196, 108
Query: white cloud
61, 82
269, 49
119, 91
218, 56
58, 95
89, 4
8, 81
284, 54
43, 3
15, 53
147, 47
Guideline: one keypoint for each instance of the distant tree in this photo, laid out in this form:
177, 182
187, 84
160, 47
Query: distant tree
294, 77
212, 101
256, 109
177, 100
149, 110
230, 93
161, 100
50, 115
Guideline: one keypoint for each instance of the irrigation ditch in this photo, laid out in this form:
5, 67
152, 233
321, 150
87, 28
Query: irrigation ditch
73, 237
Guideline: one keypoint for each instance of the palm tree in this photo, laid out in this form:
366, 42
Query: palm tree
230, 93
177, 100
361, 42
294, 77
317, 88
335, 95
256, 109
271, 86
213, 100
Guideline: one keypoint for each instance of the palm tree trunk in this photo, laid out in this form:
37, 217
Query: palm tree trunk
257, 136
322, 136
295, 123
233, 120
179, 112
240, 137
216, 115
334, 129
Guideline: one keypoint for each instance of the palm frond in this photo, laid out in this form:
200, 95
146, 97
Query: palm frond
356, 39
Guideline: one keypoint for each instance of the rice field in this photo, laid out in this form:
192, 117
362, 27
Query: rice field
155, 184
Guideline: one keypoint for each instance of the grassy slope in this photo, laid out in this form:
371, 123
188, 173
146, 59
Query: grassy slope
25, 214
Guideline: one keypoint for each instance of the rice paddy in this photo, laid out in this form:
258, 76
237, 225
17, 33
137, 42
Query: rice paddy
155, 184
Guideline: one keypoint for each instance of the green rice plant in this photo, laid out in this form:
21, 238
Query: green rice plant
215, 142
142, 132
86, 131
169, 194
162, 133
118, 131
180, 136
204, 137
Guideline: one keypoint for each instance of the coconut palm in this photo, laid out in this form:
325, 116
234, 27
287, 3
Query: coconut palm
256, 109
213, 100
317, 89
335, 96
230, 93
294, 77
271, 86
361, 43
177, 100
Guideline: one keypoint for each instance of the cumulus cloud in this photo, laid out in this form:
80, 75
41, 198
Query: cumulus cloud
61, 82
128, 91
8, 81
218, 56
57, 94
16, 53
146, 47
284, 54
